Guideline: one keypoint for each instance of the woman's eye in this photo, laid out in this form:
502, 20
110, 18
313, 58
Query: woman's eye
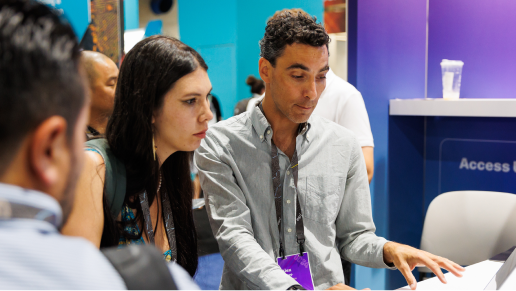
297, 77
190, 101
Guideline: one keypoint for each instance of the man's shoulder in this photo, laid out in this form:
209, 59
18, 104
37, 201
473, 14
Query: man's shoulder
232, 126
58, 262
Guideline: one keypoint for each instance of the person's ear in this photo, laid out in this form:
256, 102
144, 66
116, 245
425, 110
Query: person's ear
49, 151
264, 68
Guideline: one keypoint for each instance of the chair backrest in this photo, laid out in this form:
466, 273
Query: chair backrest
468, 227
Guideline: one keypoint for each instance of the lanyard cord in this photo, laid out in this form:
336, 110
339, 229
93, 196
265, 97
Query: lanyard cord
278, 196
167, 218
278, 199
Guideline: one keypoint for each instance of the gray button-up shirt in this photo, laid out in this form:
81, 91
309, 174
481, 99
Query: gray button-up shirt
234, 162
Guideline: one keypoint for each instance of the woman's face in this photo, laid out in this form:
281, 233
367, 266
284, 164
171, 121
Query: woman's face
181, 123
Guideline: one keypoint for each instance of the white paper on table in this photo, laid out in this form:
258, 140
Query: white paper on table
476, 277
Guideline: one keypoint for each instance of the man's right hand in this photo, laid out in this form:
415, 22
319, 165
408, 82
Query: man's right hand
341, 286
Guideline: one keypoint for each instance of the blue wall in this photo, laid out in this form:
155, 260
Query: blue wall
424, 153
75, 11
226, 33
131, 14
210, 27
391, 43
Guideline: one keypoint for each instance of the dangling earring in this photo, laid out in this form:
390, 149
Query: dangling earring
154, 147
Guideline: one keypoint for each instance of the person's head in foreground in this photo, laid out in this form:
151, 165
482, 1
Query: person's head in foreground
102, 75
43, 113
160, 116
43, 109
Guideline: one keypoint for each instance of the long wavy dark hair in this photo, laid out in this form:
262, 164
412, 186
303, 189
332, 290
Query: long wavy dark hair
148, 72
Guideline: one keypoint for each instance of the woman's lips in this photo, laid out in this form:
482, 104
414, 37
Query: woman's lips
201, 134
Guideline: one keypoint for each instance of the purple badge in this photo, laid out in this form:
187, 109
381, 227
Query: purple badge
298, 267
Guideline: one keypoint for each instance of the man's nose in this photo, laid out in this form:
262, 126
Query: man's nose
311, 90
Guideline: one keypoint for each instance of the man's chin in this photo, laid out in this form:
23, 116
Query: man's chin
300, 118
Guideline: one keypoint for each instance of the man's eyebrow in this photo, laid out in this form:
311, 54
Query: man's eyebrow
298, 66
326, 68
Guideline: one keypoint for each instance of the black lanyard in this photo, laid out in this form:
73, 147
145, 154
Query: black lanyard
167, 217
277, 185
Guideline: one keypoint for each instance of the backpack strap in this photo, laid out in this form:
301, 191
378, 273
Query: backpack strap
115, 180
141, 267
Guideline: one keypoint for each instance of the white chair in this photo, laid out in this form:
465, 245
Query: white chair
468, 227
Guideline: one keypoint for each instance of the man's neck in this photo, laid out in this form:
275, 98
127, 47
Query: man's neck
284, 130
98, 121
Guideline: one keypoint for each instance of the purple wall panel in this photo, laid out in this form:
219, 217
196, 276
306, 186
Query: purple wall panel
391, 40
391, 64
483, 35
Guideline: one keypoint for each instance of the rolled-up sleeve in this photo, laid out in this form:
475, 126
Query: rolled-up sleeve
230, 220
356, 238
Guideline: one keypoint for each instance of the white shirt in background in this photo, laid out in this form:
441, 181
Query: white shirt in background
254, 101
341, 103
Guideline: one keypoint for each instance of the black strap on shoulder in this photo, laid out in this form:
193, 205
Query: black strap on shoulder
141, 267
115, 181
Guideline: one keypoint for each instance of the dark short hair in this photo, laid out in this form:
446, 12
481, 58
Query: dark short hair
291, 26
39, 74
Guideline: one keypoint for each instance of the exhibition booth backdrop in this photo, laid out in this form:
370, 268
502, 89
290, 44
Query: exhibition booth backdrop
420, 157
394, 51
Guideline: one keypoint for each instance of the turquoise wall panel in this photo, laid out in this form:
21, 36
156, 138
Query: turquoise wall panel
221, 63
131, 14
77, 12
238, 23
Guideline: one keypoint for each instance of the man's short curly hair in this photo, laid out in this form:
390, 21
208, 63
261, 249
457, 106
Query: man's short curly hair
290, 26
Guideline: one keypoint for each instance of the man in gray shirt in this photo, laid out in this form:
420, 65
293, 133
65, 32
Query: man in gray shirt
280, 182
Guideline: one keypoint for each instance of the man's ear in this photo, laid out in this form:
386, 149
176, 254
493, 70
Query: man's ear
47, 151
264, 67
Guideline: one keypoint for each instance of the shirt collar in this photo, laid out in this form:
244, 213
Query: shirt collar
11, 195
263, 128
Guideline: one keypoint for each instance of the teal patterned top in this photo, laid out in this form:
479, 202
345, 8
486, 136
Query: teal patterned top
128, 215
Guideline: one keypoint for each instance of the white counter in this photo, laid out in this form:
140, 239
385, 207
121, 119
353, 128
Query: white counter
461, 107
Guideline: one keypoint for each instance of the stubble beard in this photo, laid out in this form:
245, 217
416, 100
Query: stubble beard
69, 192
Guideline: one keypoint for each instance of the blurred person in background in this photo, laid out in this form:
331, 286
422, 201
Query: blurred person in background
215, 109
343, 104
257, 89
136, 186
102, 75
41, 158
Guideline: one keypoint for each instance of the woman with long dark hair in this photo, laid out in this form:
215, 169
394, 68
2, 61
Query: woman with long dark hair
136, 185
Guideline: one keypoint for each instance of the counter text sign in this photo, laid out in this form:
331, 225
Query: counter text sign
468, 164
